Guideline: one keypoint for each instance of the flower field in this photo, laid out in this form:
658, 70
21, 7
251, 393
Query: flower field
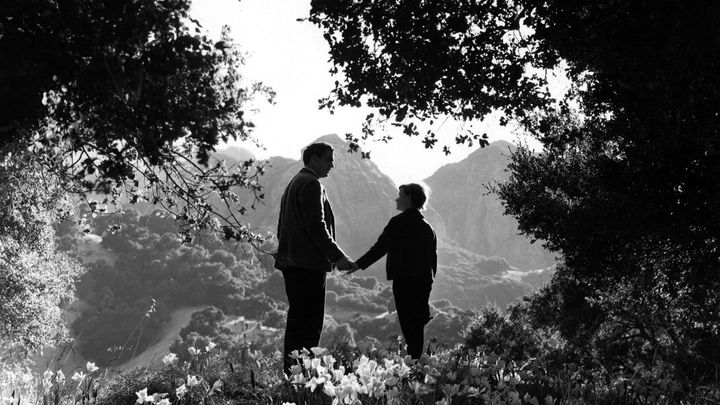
339, 376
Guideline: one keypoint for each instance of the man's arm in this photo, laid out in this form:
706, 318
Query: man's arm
311, 207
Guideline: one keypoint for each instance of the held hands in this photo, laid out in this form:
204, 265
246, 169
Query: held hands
347, 265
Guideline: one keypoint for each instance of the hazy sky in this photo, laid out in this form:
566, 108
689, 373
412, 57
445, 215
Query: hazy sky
292, 58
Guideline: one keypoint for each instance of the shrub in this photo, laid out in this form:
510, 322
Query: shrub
499, 333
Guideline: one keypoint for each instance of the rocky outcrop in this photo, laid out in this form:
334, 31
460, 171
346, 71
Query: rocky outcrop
474, 217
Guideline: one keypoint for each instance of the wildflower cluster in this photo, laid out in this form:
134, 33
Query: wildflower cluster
82, 385
16, 379
433, 379
191, 385
458, 376
317, 369
187, 385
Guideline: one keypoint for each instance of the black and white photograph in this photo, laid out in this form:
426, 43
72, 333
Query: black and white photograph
359, 202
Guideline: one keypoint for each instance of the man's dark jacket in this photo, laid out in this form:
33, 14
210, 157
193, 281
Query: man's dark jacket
411, 247
306, 226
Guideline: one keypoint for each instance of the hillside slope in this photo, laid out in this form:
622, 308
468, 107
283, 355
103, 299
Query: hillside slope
474, 218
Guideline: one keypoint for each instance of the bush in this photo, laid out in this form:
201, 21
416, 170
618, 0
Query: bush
210, 376
500, 333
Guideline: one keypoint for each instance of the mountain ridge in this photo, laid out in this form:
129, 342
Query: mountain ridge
474, 216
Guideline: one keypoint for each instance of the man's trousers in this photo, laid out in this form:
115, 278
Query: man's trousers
305, 291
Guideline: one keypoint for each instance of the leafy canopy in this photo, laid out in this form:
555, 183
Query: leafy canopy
626, 186
128, 99
36, 281
422, 60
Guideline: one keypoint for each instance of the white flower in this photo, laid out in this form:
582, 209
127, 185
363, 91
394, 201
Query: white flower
255, 354
180, 391
91, 367
210, 346
193, 351
169, 358
164, 401
420, 388
295, 369
297, 379
403, 371
192, 381
328, 360
329, 390
315, 363
363, 360
143, 396
429, 379
288, 403
348, 389
338, 374
375, 387
530, 400
319, 351
314, 382
60, 377
78, 376
47, 378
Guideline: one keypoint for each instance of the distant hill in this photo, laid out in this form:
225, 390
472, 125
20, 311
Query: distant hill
474, 218
233, 154
469, 280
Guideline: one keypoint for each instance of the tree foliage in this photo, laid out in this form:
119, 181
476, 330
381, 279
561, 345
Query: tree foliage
205, 326
144, 274
128, 99
626, 186
113, 103
36, 281
422, 60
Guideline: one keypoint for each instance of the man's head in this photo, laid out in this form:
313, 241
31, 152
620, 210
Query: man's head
411, 196
319, 158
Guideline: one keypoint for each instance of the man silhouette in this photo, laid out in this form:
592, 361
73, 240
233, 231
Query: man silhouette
307, 250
